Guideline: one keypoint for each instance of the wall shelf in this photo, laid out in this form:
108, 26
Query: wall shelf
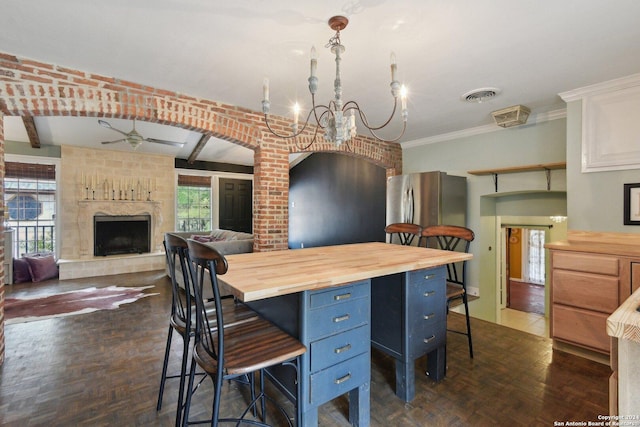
546, 167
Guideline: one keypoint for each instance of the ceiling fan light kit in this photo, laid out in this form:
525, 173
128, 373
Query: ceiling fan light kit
338, 118
515, 115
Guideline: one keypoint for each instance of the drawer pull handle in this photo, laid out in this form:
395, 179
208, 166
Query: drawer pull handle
429, 316
341, 318
428, 340
342, 296
342, 349
343, 379
429, 276
429, 293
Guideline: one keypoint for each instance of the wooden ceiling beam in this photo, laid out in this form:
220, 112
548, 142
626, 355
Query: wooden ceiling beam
198, 148
32, 132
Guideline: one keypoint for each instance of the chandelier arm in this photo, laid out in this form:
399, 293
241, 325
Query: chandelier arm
404, 127
327, 110
314, 106
363, 116
313, 140
293, 135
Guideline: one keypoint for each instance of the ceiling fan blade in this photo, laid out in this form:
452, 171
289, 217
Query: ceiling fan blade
112, 142
162, 141
108, 126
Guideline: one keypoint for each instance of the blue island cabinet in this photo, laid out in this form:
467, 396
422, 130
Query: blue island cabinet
409, 320
334, 325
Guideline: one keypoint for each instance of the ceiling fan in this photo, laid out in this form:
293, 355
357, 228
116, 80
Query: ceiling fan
134, 138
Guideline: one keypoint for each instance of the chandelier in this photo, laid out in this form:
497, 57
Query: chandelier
338, 118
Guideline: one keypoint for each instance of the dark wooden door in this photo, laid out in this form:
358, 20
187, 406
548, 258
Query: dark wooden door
236, 203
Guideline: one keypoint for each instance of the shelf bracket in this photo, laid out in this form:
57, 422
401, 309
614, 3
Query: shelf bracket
495, 181
548, 173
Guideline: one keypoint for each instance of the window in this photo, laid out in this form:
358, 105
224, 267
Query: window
533, 256
193, 203
30, 200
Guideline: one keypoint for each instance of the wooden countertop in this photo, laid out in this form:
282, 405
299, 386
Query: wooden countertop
598, 248
625, 321
620, 244
259, 275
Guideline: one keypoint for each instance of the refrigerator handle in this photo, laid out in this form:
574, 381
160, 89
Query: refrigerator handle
408, 205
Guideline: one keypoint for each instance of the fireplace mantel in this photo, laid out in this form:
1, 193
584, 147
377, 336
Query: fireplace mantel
87, 209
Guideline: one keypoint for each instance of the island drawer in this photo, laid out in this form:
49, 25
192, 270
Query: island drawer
337, 348
428, 338
338, 317
431, 276
342, 294
339, 379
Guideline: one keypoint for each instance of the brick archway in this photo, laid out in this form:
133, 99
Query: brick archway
35, 88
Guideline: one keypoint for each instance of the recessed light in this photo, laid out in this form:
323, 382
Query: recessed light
479, 95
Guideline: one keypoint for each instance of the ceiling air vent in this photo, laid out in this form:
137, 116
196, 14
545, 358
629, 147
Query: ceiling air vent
479, 95
511, 116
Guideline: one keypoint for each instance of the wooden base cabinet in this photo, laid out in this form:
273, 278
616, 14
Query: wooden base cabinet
586, 287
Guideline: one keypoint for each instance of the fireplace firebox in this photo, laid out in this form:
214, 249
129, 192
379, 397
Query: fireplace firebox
123, 234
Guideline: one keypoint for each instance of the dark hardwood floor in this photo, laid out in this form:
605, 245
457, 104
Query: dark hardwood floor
103, 369
527, 297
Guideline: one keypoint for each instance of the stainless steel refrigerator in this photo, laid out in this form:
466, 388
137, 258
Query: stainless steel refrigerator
427, 198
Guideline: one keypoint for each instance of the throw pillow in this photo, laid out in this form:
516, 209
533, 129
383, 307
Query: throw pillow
201, 238
21, 272
42, 267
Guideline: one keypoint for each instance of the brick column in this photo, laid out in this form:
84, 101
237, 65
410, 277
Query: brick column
271, 197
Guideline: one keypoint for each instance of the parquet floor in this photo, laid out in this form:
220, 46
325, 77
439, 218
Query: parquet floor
103, 369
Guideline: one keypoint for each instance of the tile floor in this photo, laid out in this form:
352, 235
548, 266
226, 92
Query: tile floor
532, 323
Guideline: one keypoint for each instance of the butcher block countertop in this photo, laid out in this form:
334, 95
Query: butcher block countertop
258, 275
619, 244
625, 321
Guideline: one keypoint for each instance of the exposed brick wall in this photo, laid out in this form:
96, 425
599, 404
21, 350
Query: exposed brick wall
29, 87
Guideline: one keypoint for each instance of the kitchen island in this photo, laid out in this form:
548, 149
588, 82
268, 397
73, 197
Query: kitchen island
323, 296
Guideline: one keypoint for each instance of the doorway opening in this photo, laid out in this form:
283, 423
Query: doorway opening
523, 271
525, 263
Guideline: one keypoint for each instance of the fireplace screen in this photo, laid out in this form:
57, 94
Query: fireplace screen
114, 235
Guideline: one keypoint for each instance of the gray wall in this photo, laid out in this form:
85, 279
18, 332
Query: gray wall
521, 194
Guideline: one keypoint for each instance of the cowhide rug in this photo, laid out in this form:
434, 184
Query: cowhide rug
20, 310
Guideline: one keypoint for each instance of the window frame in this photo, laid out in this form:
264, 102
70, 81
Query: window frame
59, 193
215, 190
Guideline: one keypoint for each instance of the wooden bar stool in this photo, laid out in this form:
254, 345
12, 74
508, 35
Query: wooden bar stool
452, 238
182, 318
404, 232
230, 352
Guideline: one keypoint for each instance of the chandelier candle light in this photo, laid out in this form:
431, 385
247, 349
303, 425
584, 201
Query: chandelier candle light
338, 119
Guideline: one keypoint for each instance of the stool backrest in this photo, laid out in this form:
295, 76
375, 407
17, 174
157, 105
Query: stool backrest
449, 238
404, 232
176, 252
205, 261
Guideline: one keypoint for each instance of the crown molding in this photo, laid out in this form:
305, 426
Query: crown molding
616, 84
479, 130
